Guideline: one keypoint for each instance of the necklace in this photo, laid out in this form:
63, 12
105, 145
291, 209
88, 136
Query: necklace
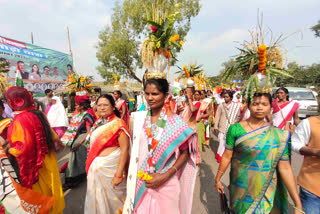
251, 126
101, 121
154, 133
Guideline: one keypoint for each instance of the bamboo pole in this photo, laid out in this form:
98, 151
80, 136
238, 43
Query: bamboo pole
68, 35
31, 37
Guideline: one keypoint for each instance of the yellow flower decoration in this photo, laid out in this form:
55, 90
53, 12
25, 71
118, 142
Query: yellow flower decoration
181, 42
140, 174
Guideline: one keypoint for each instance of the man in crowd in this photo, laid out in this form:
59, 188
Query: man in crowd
45, 101
56, 75
306, 141
46, 73
24, 74
228, 113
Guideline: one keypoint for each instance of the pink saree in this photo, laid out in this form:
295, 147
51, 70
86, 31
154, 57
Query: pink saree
119, 103
175, 196
189, 117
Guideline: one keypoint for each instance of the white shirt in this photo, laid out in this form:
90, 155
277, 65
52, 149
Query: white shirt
301, 136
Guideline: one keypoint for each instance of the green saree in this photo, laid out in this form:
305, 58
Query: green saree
255, 184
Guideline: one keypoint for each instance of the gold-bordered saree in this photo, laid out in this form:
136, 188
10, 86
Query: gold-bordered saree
255, 183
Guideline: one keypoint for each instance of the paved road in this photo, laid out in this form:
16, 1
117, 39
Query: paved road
205, 200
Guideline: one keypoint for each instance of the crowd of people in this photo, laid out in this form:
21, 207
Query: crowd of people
147, 162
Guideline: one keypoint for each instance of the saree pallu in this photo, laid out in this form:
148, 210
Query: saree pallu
13, 196
78, 122
101, 197
284, 113
255, 184
76, 169
176, 194
189, 117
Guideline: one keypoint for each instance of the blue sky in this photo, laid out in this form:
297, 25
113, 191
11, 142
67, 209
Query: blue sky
210, 42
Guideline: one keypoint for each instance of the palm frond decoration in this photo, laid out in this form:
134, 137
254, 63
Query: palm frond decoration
258, 63
190, 71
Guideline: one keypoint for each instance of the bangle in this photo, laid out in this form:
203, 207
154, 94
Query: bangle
221, 172
118, 176
175, 168
294, 207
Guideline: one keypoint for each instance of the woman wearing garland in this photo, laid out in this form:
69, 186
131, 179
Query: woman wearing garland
107, 160
163, 160
260, 168
74, 137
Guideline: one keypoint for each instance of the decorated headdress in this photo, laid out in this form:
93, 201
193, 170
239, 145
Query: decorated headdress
19, 98
259, 64
160, 46
116, 83
79, 84
190, 74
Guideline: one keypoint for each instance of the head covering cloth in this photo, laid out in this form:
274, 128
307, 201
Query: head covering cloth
19, 99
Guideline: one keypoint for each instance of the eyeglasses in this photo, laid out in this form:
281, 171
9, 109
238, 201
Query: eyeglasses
103, 105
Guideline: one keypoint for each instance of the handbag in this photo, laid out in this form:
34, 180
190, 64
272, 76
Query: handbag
224, 204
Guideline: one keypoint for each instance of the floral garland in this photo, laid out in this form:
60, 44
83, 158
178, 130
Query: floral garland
154, 133
101, 121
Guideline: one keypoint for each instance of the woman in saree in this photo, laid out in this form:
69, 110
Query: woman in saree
57, 116
260, 172
31, 142
203, 126
107, 158
75, 136
189, 110
122, 107
285, 111
163, 159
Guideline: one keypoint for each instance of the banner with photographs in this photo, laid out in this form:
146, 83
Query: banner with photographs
41, 68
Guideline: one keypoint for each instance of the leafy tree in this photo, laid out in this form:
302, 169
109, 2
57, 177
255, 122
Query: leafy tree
316, 29
118, 46
302, 76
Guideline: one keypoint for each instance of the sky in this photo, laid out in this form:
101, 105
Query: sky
211, 41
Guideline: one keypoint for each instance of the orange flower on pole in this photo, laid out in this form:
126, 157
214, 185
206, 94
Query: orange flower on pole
186, 71
262, 51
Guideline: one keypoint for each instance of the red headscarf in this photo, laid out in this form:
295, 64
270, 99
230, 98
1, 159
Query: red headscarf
81, 99
19, 98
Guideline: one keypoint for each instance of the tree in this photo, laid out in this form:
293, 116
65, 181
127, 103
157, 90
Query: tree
316, 29
118, 46
302, 76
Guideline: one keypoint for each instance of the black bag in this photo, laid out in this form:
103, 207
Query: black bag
224, 204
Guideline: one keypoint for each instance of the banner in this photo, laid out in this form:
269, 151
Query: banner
41, 68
